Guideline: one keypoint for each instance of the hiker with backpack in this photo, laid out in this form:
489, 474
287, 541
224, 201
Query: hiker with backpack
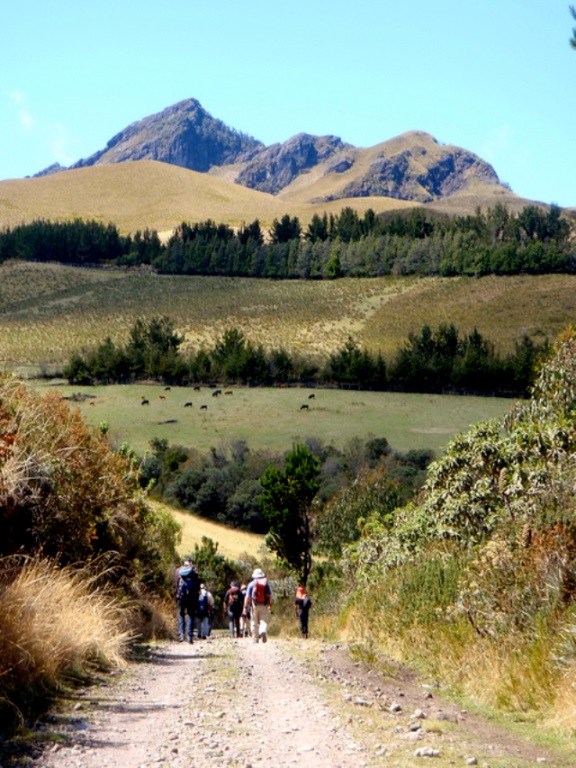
302, 605
245, 616
204, 605
188, 587
233, 604
259, 603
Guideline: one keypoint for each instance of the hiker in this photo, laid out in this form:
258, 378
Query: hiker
245, 617
302, 605
204, 605
259, 601
233, 604
188, 585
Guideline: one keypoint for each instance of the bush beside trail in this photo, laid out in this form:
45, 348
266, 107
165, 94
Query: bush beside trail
476, 578
85, 560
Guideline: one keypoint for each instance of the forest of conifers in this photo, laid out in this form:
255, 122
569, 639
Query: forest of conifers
433, 360
534, 241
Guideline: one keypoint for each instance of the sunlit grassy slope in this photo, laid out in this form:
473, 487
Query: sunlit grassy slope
146, 193
150, 194
48, 311
232, 543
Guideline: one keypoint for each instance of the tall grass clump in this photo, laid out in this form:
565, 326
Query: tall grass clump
77, 540
474, 581
55, 626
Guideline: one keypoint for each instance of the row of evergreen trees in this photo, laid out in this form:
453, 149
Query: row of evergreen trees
431, 361
344, 245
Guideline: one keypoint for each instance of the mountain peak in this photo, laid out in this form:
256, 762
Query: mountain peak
411, 166
184, 134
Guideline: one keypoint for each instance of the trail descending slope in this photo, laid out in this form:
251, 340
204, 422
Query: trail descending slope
225, 702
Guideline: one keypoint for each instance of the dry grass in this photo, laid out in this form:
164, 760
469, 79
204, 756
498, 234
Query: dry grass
48, 311
160, 196
146, 193
232, 543
54, 624
511, 675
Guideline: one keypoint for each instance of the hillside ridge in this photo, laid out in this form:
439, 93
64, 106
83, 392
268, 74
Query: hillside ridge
412, 167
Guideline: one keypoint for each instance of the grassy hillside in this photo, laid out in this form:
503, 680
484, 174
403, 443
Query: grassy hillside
159, 196
145, 193
271, 419
232, 543
47, 311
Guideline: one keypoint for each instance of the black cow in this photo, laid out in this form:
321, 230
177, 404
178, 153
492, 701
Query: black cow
305, 407
188, 404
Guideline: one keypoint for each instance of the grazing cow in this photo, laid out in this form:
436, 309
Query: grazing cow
311, 397
144, 401
228, 392
91, 402
216, 392
203, 407
167, 389
188, 404
162, 397
305, 407
196, 389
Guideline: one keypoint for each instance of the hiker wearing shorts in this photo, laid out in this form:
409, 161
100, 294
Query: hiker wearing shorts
259, 602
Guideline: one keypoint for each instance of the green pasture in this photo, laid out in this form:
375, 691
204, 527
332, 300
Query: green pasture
270, 418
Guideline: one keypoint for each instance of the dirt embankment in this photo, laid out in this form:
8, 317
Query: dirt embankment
225, 702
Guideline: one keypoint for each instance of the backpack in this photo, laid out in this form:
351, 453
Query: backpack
259, 591
203, 603
187, 587
235, 601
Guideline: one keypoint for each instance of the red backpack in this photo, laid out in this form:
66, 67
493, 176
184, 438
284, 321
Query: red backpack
259, 591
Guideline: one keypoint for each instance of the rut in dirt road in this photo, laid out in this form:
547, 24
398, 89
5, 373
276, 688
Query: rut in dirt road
213, 703
226, 702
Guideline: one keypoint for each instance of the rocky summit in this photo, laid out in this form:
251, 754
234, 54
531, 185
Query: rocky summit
413, 166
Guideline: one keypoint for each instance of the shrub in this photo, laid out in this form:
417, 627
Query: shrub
65, 494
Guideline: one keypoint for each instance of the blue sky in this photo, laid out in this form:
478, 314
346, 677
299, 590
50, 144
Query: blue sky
497, 78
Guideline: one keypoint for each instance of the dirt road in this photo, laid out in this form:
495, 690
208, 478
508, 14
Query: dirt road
225, 702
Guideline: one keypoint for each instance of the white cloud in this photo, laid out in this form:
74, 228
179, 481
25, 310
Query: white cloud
25, 117
61, 145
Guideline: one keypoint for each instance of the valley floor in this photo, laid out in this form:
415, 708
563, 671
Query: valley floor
225, 702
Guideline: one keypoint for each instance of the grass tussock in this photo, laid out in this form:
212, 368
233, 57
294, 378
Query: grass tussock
55, 627
518, 674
